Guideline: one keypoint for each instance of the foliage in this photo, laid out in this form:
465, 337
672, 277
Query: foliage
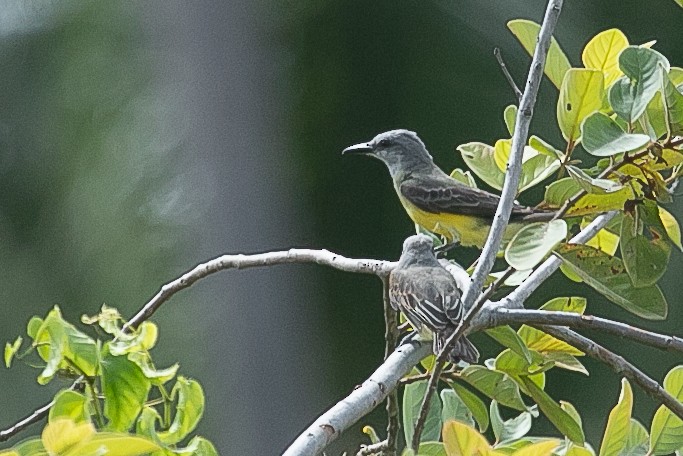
621, 117
120, 404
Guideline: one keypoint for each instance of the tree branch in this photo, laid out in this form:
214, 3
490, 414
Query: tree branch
360, 402
322, 257
514, 168
618, 364
502, 316
470, 301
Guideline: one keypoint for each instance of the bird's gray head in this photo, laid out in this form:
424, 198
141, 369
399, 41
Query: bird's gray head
418, 249
401, 150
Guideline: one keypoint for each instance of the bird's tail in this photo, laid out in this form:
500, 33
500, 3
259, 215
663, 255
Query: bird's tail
463, 350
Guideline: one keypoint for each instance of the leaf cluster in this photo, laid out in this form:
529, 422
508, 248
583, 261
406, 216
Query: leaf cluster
121, 403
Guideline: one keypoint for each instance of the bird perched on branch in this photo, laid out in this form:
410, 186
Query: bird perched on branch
429, 297
436, 201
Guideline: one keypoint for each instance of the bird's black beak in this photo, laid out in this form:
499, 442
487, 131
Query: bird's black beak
362, 148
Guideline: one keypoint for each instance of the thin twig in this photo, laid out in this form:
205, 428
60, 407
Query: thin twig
506, 73
619, 365
360, 402
499, 317
390, 338
500, 220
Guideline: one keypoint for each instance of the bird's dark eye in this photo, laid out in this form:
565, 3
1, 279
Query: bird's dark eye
384, 143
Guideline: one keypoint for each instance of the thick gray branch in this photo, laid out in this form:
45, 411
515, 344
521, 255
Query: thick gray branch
519, 139
492, 317
360, 402
619, 365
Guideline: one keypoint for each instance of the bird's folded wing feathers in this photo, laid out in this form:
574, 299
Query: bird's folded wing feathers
442, 195
421, 305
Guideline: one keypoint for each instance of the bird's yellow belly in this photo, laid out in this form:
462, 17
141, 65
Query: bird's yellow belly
468, 230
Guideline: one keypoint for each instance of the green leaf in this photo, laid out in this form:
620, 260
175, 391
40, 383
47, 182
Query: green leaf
545, 343
464, 177
431, 449
560, 191
602, 53
125, 390
508, 337
557, 63
666, 433
636, 440
142, 339
603, 137
593, 185
473, 403
510, 117
70, 404
30, 447
630, 95
479, 157
645, 260
618, 423
189, 410
454, 408
537, 169
50, 341
605, 240
494, 384
673, 229
545, 148
571, 410
117, 444
413, 395
199, 446
608, 276
109, 319
531, 244
509, 430
33, 326
11, 350
581, 94
673, 99
156, 376
560, 419
566, 361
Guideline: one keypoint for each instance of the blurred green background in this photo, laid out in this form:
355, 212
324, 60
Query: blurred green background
140, 138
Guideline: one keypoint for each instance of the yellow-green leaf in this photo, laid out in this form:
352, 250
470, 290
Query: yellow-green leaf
544, 448
666, 433
673, 229
618, 423
605, 240
581, 94
460, 439
531, 244
63, 435
557, 63
602, 53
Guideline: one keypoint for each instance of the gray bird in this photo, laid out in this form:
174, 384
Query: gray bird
429, 297
436, 201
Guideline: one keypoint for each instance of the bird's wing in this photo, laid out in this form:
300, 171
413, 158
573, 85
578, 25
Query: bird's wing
443, 194
423, 302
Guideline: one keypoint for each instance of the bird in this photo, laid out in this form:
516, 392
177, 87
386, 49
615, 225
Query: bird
434, 200
429, 297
